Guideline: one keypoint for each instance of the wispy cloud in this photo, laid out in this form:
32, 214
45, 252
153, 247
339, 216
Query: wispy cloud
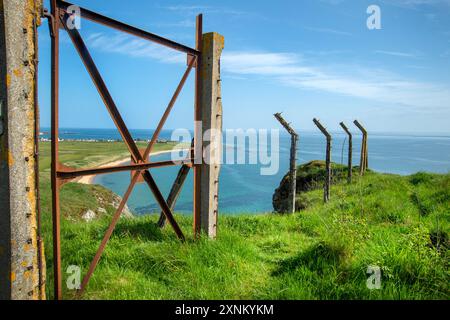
127, 45
332, 2
413, 4
190, 10
185, 8
293, 70
185, 23
399, 3
329, 30
376, 85
398, 54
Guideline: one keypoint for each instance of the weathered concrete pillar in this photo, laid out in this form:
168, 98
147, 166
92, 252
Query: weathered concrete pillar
19, 253
211, 104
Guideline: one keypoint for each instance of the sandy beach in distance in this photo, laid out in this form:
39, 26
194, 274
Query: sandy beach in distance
90, 179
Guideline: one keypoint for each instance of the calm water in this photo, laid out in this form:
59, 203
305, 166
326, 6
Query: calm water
244, 190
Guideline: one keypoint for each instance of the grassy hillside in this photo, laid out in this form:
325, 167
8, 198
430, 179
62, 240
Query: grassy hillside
400, 224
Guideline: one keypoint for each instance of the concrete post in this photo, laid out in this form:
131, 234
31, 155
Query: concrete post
211, 114
19, 250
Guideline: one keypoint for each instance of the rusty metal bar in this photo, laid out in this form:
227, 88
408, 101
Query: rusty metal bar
327, 185
61, 173
350, 150
116, 217
177, 185
93, 16
101, 86
70, 174
292, 162
363, 162
107, 235
168, 109
54, 151
120, 124
36, 165
198, 154
174, 192
90, 66
115, 115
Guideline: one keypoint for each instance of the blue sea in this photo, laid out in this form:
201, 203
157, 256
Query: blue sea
244, 190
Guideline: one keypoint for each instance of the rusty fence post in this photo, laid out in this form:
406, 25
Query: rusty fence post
292, 162
197, 151
364, 162
21, 271
327, 185
176, 188
211, 116
350, 151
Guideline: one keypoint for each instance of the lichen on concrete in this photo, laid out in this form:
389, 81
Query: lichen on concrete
18, 264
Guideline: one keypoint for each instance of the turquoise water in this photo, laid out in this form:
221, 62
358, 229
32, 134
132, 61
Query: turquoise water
244, 190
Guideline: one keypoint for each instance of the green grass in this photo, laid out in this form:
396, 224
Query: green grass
86, 154
400, 224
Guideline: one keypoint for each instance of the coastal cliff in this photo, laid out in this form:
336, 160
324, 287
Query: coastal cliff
310, 176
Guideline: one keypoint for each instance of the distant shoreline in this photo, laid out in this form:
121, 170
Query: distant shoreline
90, 179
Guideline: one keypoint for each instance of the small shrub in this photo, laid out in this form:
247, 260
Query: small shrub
420, 178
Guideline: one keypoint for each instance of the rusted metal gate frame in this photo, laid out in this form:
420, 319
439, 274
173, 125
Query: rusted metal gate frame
61, 174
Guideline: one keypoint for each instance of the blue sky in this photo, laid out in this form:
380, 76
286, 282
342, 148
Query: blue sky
304, 58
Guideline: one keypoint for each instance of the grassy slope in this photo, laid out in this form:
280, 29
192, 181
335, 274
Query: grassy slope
322, 252
76, 198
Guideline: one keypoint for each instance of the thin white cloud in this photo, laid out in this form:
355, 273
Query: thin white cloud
330, 31
376, 85
411, 4
194, 10
417, 3
293, 70
185, 8
127, 45
185, 23
398, 54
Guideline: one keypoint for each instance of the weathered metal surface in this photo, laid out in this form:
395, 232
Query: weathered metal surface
19, 251
40, 240
350, 152
364, 162
56, 216
175, 191
140, 160
292, 161
198, 147
93, 16
327, 184
177, 185
67, 173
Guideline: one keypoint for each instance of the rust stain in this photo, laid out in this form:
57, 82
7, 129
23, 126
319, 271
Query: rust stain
18, 73
10, 158
8, 80
13, 276
27, 247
